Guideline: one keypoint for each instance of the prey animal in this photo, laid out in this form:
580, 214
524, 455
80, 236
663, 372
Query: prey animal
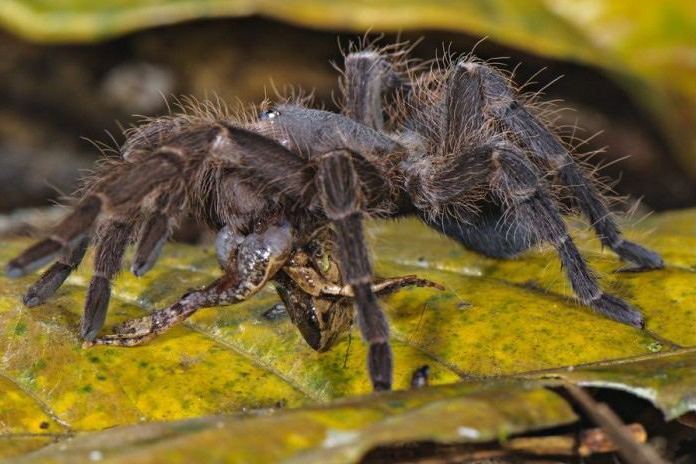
453, 144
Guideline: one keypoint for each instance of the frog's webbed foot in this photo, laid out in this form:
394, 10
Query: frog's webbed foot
393, 284
382, 286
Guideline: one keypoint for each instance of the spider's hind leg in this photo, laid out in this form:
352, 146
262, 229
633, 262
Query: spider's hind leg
531, 133
489, 230
515, 182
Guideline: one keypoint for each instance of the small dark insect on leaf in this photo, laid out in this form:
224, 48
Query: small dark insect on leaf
419, 378
287, 190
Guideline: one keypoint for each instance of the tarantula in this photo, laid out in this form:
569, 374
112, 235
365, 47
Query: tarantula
455, 145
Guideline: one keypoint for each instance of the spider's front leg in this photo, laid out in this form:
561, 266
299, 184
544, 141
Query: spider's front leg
248, 261
120, 201
339, 188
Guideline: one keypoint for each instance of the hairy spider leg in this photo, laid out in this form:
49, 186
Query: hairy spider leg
512, 183
118, 201
464, 109
276, 168
488, 230
515, 181
501, 101
53, 278
154, 234
129, 193
114, 237
251, 261
157, 217
339, 186
366, 76
253, 149
69, 230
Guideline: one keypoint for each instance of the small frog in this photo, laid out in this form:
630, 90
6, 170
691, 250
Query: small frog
317, 301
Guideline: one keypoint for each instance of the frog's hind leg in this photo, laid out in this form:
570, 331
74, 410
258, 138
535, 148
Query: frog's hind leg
253, 260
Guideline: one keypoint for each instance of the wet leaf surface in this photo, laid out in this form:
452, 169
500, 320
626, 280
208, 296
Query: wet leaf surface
342, 432
512, 319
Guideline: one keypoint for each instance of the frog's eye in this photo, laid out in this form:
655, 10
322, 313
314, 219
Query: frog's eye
267, 115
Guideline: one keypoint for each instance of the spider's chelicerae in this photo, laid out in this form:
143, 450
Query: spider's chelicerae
453, 144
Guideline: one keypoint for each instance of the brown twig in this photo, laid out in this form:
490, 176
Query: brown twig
627, 446
589, 442
533, 449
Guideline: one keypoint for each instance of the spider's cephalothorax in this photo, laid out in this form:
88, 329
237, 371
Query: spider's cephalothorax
454, 145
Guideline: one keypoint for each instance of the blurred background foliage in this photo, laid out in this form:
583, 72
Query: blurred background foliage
75, 68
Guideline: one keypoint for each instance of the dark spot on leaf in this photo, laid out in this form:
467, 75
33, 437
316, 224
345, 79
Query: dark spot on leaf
189, 426
44, 425
86, 389
533, 285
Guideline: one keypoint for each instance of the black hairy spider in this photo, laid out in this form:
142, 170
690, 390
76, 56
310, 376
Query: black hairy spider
460, 149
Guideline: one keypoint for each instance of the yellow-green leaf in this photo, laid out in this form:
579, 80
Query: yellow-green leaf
344, 431
495, 319
341, 432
